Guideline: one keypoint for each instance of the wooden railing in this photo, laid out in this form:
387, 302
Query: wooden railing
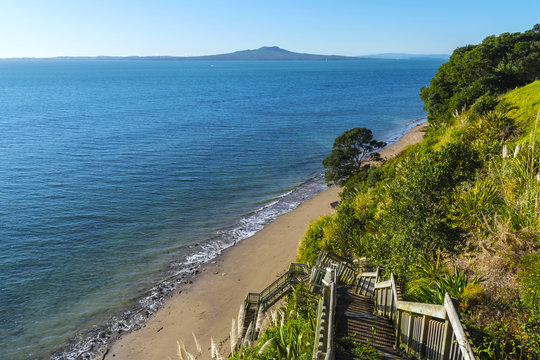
365, 283
344, 268
323, 347
431, 331
269, 296
325, 274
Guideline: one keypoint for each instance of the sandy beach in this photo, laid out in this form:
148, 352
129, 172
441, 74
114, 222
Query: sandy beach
206, 306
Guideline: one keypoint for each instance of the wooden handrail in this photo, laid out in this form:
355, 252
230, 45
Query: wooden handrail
323, 345
383, 284
454, 319
269, 296
429, 330
436, 311
370, 274
345, 268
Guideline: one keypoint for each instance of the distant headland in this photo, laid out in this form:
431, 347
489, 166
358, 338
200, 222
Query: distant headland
264, 53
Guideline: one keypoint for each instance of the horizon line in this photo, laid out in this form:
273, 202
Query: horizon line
197, 56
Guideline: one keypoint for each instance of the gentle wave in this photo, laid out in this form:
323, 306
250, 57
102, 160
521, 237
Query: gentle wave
408, 127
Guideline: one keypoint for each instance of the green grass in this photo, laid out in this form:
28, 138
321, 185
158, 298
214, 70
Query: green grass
523, 105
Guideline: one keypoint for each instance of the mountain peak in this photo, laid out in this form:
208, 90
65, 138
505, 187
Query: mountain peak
273, 48
271, 53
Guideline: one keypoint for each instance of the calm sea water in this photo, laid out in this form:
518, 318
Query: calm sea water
118, 178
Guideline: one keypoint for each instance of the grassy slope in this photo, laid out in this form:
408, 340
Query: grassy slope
523, 105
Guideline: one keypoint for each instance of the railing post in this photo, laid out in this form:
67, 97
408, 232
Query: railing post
376, 301
383, 301
388, 308
393, 309
424, 334
397, 329
410, 330
446, 340
376, 280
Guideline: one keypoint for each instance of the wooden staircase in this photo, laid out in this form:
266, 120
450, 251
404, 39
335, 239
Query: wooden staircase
370, 311
373, 312
254, 302
355, 319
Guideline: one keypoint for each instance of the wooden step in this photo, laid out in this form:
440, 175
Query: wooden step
355, 319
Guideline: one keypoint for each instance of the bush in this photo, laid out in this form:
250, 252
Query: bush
313, 241
290, 336
484, 104
529, 279
417, 219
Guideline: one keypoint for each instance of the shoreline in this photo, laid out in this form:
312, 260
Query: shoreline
206, 305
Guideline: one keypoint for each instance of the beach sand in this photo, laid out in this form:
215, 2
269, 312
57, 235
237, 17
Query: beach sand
207, 306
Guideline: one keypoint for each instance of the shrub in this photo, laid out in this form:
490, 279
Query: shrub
473, 209
484, 104
416, 221
291, 335
313, 242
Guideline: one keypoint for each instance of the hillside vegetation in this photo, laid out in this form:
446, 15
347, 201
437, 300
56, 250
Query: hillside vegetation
460, 212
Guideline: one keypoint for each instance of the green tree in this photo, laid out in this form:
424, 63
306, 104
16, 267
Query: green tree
348, 152
493, 67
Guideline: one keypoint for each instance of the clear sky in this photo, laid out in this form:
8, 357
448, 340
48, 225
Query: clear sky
43, 28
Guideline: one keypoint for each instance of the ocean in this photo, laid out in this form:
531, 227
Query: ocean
119, 178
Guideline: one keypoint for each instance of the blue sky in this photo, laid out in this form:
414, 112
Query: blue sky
43, 28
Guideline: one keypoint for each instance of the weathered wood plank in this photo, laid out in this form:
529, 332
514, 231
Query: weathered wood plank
459, 332
436, 311
369, 274
383, 284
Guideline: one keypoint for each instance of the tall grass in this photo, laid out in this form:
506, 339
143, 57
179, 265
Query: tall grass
519, 179
286, 333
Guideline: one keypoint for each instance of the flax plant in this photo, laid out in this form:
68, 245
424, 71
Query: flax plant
474, 207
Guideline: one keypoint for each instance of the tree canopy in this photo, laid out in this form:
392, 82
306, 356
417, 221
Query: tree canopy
498, 64
348, 152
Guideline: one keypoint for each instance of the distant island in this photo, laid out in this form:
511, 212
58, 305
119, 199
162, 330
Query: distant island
264, 53
268, 53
